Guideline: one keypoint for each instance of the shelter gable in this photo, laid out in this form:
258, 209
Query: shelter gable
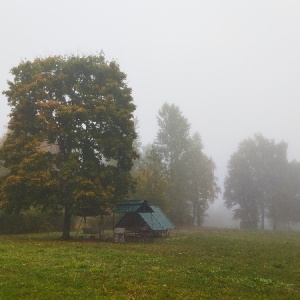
132, 206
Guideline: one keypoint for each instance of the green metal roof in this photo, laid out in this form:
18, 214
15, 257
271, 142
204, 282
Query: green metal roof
131, 206
152, 215
157, 220
151, 221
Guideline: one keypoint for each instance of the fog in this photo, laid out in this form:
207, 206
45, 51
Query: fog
231, 66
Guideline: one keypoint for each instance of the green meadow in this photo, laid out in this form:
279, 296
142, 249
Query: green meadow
190, 264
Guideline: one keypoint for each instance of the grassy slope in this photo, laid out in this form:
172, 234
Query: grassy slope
201, 264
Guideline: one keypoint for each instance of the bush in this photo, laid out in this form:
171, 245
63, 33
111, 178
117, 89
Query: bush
31, 221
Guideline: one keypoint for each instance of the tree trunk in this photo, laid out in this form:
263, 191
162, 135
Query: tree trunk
67, 224
195, 214
263, 218
275, 223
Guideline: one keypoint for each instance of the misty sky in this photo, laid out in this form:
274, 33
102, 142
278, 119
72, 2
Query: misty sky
231, 66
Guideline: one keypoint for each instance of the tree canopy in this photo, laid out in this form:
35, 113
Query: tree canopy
200, 178
261, 183
152, 182
71, 133
3, 171
171, 143
175, 172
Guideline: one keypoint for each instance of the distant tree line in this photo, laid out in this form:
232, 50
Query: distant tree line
174, 173
72, 148
71, 145
261, 184
70, 137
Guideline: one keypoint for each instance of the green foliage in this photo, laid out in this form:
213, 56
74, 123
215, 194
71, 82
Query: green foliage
171, 143
291, 210
190, 173
172, 136
200, 179
30, 221
152, 180
3, 171
259, 183
199, 264
71, 135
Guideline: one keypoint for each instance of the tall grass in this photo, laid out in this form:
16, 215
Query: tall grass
191, 264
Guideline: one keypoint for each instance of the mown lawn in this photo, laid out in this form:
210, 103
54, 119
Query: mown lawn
191, 264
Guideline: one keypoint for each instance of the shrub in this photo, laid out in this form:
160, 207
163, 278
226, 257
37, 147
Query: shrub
30, 221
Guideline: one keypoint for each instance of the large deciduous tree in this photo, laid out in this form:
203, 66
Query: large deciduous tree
3, 170
172, 143
256, 184
71, 133
201, 181
291, 212
190, 172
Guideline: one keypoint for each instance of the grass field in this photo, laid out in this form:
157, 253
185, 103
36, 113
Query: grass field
191, 264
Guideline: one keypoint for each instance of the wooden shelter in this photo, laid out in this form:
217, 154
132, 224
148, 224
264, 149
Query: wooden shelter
91, 228
140, 221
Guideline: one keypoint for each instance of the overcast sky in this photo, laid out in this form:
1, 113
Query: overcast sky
233, 67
